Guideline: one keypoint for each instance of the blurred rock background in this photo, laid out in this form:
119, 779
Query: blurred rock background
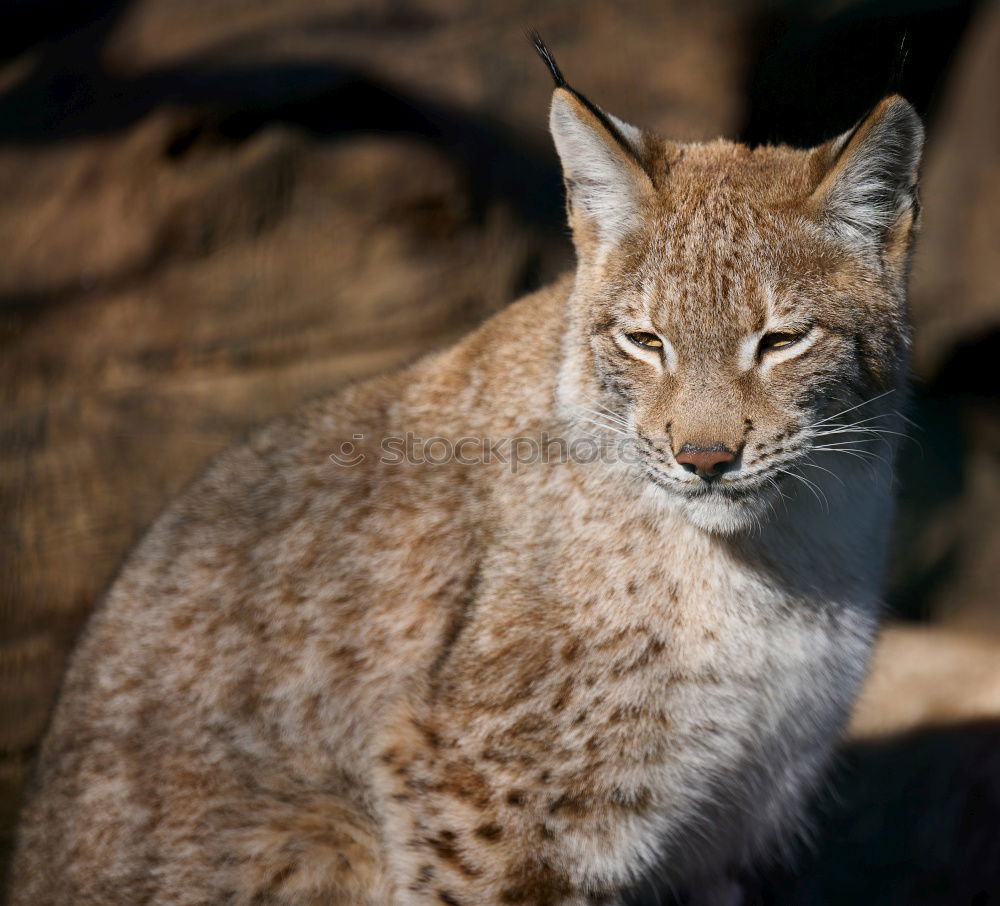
211, 210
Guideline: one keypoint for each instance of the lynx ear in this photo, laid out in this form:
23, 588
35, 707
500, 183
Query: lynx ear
605, 181
868, 195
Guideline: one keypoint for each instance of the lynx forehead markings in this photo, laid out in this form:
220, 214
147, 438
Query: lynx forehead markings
391, 686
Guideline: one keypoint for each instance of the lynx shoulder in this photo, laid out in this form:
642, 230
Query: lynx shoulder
588, 594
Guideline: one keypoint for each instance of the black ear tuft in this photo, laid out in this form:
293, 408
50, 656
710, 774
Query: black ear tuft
546, 55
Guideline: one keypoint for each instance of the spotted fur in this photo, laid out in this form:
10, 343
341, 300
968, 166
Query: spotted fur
460, 684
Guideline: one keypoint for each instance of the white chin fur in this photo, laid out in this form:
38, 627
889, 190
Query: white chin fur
721, 515
715, 513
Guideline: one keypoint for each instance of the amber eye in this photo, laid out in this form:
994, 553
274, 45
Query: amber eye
779, 340
646, 340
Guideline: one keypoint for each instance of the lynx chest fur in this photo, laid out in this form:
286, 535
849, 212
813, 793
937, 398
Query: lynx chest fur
626, 690
606, 617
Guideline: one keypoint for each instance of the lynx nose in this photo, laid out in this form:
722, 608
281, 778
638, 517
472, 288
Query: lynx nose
706, 462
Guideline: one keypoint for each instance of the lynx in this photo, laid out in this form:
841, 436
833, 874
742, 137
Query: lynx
334, 672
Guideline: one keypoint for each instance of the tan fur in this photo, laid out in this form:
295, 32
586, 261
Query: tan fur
448, 683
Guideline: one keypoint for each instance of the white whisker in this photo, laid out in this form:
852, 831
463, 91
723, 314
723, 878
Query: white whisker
851, 409
814, 465
812, 486
840, 448
608, 413
610, 418
859, 454
850, 429
604, 425
864, 421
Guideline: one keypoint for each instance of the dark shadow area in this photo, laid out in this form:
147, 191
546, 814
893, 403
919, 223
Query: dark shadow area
65, 78
930, 471
66, 24
932, 463
971, 370
913, 821
815, 72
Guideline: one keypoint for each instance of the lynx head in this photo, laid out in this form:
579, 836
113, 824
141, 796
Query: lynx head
738, 314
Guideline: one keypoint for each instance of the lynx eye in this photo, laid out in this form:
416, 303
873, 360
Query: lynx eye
778, 340
646, 340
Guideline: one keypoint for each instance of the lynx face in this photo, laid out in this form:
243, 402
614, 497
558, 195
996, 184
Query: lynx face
733, 307
723, 366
